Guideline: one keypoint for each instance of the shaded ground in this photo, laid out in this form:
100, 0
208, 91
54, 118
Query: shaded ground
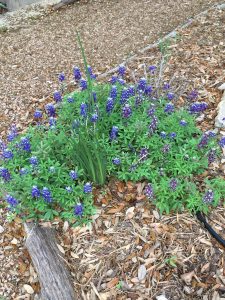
33, 55
181, 259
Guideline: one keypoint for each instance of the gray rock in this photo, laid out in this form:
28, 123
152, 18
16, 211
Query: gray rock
2, 229
221, 6
220, 119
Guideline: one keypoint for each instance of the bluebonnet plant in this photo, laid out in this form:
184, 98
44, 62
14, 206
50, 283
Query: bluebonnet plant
7, 154
113, 92
13, 202
142, 84
38, 114
152, 69
13, 133
208, 197
76, 73
125, 94
78, 210
69, 189
126, 111
198, 107
94, 118
183, 123
222, 142
109, 105
83, 110
170, 96
25, 144
35, 192
173, 184
61, 77
122, 70
163, 134
114, 133
169, 108
57, 96
116, 161
113, 79
149, 192
50, 109
47, 195
83, 84
87, 188
70, 99
5, 174
34, 161
153, 125
73, 175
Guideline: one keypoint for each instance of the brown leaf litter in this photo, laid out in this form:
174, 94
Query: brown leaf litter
130, 251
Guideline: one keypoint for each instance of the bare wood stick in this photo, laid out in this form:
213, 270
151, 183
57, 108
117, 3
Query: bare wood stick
53, 275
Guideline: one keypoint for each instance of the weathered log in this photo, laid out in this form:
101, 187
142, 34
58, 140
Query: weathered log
53, 274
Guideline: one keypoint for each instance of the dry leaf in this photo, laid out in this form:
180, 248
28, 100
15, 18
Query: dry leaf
130, 213
161, 297
112, 282
28, 289
187, 277
142, 272
61, 249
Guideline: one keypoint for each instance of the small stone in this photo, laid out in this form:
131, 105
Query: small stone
2, 229
109, 273
28, 289
220, 119
221, 6
14, 241
200, 118
142, 272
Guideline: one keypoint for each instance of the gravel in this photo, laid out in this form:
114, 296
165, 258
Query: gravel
34, 51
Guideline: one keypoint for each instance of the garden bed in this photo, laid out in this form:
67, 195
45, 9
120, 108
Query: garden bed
170, 232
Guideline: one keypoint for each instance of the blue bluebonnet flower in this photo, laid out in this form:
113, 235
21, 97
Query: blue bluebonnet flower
126, 111
173, 135
23, 171
47, 195
7, 154
208, 197
143, 154
170, 96
152, 69
204, 141
222, 142
131, 90
83, 109
138, 100
166, 148
78, 209
73, 175
198, 107
75, 124
109, 105
211, 134
116, 161
13, 202
153, 125
113, 79
70, 99
166, 86
114, 133
87, 188
13, 133
94, 97
183, 123
113, 92
151, 110
173, 184
94, 118
37, 114
142, 84
211, 156
35, 192
52, 169
25, 144
4, 173
169, 108
69, 189
52, 122
193, 95
122, 70
83, 84
76, 73
149, 191
93, 76
124, 96
57, 96
50, 109
148, 90
33, 161
121, 81
61, 77
133, 167
163, 134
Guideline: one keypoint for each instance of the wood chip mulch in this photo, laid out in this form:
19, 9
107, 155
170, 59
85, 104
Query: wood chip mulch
130, 251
